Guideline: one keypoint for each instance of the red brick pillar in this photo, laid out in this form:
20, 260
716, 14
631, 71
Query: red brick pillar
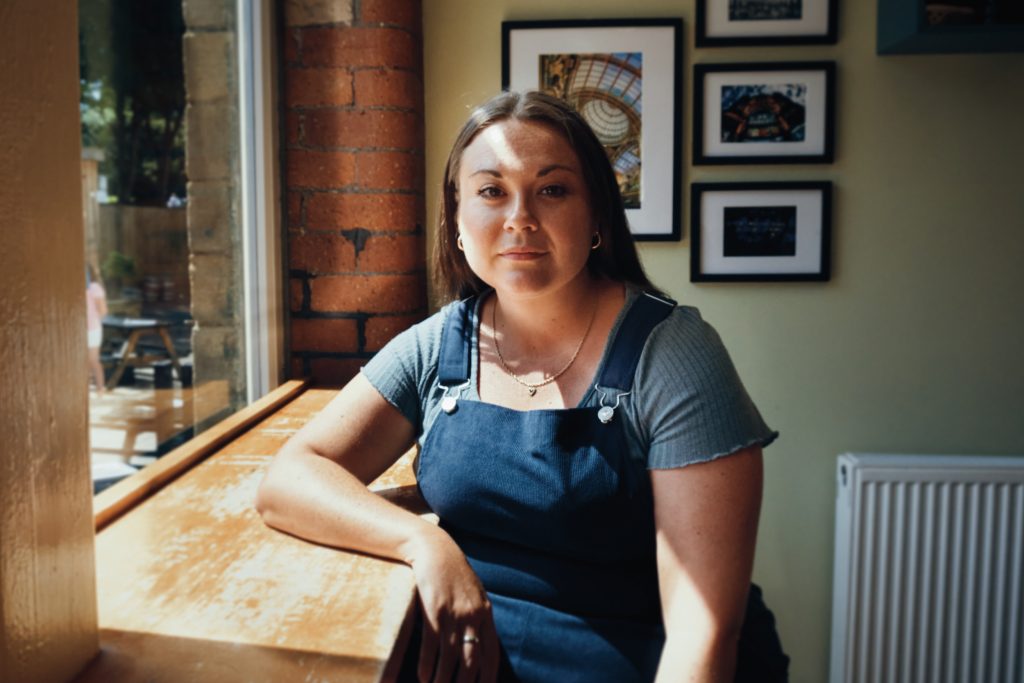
354, 176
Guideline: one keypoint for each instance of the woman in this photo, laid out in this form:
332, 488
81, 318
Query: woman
539, 402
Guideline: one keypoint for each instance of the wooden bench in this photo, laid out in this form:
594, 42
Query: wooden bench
192, 586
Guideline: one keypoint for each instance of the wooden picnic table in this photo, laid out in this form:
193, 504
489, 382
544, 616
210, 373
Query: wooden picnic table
192, 586
131, 330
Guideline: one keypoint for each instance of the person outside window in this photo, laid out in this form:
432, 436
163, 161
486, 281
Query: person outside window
95, 309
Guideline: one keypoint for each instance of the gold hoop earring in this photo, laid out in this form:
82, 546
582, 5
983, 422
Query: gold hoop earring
458, 243
595, 243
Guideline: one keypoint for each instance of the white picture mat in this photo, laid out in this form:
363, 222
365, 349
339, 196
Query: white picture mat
815, 111
813, 22
807, 259
654, 217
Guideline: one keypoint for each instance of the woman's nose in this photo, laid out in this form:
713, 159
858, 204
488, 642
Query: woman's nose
520, 214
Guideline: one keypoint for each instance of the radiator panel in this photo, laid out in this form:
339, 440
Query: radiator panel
929, 562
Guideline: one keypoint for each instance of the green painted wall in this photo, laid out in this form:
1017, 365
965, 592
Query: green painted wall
914, 346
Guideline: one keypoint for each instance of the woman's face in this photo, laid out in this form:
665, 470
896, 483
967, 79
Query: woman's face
523, 209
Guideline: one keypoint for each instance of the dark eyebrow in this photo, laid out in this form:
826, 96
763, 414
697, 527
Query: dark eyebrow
555, 167
540, 174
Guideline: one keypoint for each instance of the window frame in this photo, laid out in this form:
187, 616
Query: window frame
261, 205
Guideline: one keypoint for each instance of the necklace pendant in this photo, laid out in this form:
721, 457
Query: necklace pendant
532, 390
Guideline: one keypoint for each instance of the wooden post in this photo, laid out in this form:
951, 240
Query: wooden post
47, 572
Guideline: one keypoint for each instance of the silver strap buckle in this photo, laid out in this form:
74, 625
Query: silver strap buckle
606, 412
449, 400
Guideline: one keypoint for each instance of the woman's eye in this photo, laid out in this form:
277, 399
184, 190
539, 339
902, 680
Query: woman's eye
553, 191
489, 191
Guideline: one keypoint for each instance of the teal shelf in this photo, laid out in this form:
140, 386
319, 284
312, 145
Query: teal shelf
902, 30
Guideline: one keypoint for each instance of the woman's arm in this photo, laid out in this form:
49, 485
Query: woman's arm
706, 524
316, 489
316, 486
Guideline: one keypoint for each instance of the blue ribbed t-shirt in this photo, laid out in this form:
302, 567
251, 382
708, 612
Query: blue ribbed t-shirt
687, 404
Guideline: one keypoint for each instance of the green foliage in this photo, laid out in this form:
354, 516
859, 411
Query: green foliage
118, 267
132, 95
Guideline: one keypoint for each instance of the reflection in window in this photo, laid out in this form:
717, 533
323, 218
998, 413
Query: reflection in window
160, 165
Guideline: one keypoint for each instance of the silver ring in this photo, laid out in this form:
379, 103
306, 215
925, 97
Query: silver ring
473, 640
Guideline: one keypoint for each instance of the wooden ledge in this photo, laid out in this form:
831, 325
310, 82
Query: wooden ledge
193, 586
129, 492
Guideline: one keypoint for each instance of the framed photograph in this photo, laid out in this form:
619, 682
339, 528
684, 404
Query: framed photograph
623, 77
760, 232
764, 113
949, 26
733, 23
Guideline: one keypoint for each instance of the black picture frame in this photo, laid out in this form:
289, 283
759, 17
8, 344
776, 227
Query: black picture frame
727, 248
814, 142
819, 26
654, 211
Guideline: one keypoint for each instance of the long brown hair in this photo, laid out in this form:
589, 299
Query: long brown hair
616, 257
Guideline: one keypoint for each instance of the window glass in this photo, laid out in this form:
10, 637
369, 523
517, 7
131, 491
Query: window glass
160, 167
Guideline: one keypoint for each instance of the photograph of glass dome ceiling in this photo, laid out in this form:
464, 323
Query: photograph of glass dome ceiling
606, 90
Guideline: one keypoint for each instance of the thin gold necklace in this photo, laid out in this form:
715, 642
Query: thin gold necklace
533, 386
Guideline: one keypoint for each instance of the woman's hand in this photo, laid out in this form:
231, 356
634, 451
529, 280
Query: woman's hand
459, 640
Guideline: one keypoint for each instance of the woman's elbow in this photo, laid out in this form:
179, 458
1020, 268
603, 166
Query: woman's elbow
264, 501
269, 494
285, 484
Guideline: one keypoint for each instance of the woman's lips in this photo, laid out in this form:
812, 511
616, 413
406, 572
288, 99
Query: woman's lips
522, 254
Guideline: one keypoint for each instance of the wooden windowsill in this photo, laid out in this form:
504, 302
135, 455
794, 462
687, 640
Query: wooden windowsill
192, 586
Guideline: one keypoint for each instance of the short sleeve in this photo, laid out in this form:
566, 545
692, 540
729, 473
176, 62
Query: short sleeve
692, 405
405, 369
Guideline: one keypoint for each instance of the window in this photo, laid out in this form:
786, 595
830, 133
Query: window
180, 271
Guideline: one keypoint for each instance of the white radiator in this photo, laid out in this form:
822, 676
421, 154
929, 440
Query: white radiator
928, 583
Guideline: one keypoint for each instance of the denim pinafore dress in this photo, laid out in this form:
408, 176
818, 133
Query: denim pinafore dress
553, 515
